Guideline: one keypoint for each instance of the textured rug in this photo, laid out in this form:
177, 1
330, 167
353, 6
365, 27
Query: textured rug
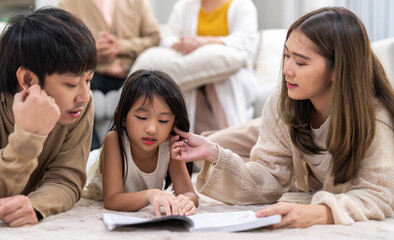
84, 222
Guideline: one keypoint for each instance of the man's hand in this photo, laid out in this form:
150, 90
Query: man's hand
108, 47
35, 111
295, 215
17, 211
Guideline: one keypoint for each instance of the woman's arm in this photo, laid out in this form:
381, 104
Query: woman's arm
227, 178
242, 20
295, 215
370, 194
181, 23
188, 44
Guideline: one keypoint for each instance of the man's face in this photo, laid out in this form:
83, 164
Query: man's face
71, 93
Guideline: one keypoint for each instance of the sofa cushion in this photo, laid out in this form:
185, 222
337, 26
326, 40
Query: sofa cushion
2, 26
105, 104
207, 64
384, 50
267, 62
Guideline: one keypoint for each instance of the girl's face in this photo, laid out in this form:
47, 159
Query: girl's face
148, 124
305, 71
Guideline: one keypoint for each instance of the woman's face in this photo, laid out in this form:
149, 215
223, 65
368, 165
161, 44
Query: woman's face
306, 73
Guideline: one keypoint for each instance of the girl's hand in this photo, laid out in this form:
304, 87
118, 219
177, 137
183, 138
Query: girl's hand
192, 147
295, 215
159, 199
186, 205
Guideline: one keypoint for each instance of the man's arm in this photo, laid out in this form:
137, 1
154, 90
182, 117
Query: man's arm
17, 161
150, 35
34, 116
65, 177
19, 157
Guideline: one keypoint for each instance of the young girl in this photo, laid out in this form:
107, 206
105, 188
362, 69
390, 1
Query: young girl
328, 130
135, 155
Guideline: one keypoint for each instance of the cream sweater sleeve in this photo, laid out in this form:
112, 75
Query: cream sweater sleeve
242, 18
264, 179
18, 160
370, 195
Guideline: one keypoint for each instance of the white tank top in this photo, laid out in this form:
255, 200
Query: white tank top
136, 180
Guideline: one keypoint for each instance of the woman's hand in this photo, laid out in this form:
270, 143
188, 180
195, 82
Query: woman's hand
186, 45
295, 215
159, 199
192, 147
186, 205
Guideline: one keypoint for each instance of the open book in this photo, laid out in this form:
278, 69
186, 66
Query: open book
204, 222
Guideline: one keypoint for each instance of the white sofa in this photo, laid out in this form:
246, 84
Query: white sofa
266, 63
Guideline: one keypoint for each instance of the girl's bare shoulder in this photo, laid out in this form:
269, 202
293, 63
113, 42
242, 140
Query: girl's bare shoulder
111, 140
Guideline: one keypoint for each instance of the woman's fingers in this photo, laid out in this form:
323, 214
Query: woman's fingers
270, 210
275, 209
181, 133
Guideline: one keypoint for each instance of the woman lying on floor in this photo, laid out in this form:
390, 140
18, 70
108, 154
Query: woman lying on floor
328, 130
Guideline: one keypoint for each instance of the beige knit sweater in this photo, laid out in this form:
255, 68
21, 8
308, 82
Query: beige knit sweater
133, 22
276, 164
50, 169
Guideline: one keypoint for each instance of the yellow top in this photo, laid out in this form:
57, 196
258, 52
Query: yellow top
213, 23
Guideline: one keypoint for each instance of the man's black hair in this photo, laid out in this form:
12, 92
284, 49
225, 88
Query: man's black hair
47, 41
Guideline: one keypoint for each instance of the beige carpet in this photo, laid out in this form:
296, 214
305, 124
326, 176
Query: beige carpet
84, 222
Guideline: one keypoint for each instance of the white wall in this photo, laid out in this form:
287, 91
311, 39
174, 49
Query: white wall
375, 14
45, 3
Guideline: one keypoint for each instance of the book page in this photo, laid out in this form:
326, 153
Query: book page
116, 220
222, 221
113, 221
230, 221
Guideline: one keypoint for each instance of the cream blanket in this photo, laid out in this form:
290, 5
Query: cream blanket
84, 222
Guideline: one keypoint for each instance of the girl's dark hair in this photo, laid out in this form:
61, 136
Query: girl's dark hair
358, 79
47, 41
148, 84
